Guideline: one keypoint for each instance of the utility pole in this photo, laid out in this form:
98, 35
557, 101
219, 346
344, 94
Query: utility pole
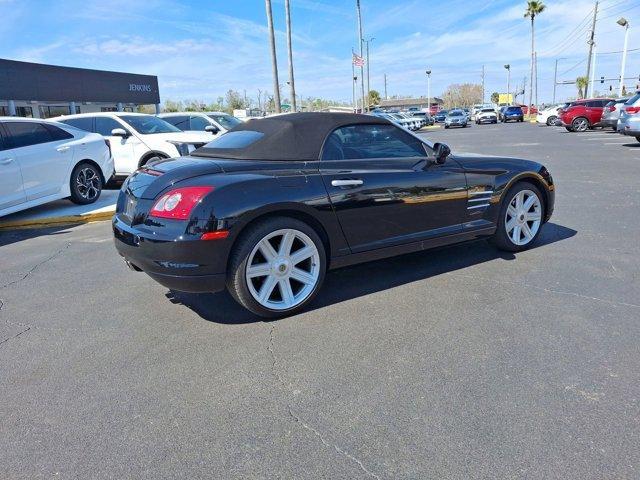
287, 9
361, 42
274, 60
368, 84
386, 97
592, 81
428, 72
591, 41
482, 83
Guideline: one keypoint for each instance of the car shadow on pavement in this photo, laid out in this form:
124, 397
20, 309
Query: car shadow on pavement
9, 236
347, 283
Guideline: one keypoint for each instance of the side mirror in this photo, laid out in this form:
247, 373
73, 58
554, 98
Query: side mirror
441, 152
119, 132
211, 128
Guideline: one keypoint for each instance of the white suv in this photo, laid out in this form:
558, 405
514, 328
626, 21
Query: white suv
42, 161
137, 138
213, 122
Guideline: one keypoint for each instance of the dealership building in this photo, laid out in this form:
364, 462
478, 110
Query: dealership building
44, 91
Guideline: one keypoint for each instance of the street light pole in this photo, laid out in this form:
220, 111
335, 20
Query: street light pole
360, 43
274, 61
623, 22
292, 85
428, 72
508, 67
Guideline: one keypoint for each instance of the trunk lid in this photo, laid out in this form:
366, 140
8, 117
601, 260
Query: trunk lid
154, 177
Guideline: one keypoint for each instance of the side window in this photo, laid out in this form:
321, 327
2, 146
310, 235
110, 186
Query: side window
371, 141
198, 123
179, 121
83, 123
24, 134
57, 133
104, 126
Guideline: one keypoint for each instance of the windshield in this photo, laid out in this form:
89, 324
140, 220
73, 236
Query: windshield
455, 114
487, 110
148, 124
227, 121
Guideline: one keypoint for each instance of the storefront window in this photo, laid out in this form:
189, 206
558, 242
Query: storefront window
48, 111
20, 111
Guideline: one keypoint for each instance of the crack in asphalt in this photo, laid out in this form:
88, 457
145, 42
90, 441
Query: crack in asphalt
297, 419
26, 326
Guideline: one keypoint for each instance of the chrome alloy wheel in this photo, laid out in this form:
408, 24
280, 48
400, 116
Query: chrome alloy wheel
580, 124
523, 218
88, 183
283, 269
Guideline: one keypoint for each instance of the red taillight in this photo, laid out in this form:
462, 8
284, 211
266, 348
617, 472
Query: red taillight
177, 204
632, 110
612, 108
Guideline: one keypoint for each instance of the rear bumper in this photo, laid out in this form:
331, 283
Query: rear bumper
629, 126
187, 265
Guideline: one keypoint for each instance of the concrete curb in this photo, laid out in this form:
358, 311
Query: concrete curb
52, 221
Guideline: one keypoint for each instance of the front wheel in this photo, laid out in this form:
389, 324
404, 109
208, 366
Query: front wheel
277, 267
85, 183
520, 218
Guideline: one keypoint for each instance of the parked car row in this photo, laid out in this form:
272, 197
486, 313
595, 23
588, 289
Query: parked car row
621, 115
42, 161
411, 121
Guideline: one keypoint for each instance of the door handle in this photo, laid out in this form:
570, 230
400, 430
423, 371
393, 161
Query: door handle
346, 183
6, 161
63, 149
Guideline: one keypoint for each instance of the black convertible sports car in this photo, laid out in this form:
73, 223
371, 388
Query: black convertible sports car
267, 208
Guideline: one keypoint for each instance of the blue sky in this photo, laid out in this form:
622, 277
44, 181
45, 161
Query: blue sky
201, 48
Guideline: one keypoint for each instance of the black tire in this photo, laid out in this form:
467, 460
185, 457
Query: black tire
86, 183
638, 139
569, 128
551, 120
446, 126
576, 124
236, 281
501, 238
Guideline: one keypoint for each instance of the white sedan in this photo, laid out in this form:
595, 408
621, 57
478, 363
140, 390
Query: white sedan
42, 161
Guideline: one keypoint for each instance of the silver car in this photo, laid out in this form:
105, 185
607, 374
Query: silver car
611, 112
456, 118
629, 121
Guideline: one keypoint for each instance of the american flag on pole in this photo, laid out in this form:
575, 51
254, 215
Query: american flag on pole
358, 61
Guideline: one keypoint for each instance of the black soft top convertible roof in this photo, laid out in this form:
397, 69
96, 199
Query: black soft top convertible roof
294, 136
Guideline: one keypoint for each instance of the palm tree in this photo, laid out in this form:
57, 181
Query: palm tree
274, 61
581, 84
534, 8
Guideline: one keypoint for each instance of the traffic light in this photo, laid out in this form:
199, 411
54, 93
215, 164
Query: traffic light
601, 79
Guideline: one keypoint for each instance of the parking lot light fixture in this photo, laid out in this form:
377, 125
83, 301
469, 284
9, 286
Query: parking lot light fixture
508, 67
623, 22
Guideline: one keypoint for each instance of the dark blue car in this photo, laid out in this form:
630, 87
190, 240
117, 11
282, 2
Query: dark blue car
440, 116
513, 113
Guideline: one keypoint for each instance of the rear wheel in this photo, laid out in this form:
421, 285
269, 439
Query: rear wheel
277, 267
85, 183
580, 124
520, 218
551, 120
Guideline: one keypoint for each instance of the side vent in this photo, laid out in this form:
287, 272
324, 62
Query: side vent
479, 199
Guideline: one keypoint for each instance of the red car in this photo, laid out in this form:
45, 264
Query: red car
583, 114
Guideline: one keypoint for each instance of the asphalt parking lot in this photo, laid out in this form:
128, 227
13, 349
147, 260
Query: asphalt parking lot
457, 363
